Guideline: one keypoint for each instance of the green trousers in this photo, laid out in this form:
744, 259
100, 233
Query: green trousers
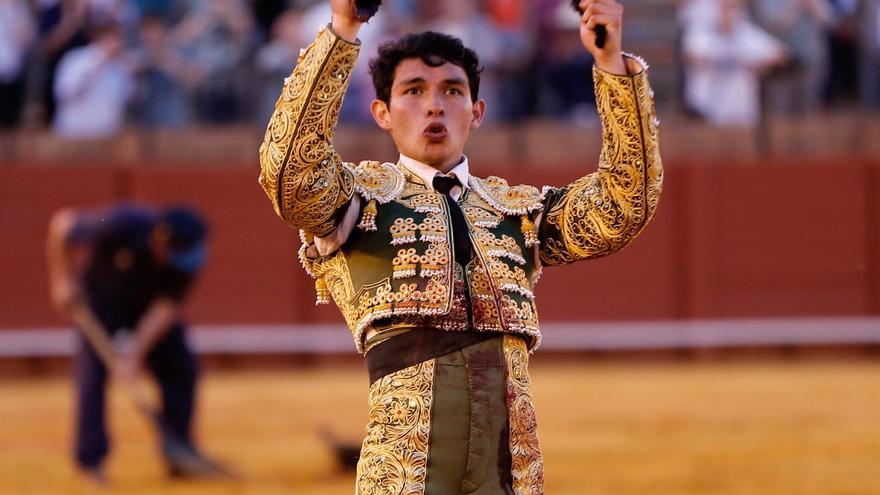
460, 423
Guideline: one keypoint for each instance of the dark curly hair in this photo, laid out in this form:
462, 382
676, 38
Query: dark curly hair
434, 49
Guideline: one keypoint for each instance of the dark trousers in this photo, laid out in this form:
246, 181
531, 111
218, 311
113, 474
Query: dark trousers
173, 365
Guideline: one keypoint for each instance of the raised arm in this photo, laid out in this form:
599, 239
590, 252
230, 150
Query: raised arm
300, 171
600, 213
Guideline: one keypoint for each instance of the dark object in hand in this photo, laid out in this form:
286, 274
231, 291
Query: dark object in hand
601, 33
364, 9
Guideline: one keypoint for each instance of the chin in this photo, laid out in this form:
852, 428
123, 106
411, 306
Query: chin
437, 158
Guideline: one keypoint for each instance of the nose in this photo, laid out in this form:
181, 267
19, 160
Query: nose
435, 105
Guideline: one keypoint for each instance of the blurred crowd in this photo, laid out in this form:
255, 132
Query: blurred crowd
88, 68
792, 57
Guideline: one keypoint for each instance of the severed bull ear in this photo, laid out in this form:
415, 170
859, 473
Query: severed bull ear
365, 9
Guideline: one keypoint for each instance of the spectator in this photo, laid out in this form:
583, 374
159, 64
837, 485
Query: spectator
516, 64
108, 11
566, 82
266, 13
842, 82
275, 61
869, 54
62, 27
725, 55
160, 99
93, 87
802, 25
216, 37
17, 30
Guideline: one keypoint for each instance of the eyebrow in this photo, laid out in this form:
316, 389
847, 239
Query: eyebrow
456, 81
414, 80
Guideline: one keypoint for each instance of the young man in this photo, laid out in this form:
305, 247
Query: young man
129, 268
433, 268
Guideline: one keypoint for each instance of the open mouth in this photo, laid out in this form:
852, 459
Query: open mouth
435, 132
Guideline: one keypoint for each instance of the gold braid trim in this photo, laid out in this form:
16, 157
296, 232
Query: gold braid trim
527, 464
300, 170
600, 213
394, 455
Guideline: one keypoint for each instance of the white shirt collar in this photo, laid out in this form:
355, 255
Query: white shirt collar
427, 172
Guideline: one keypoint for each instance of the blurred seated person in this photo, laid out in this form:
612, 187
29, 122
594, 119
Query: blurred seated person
565, 77
128, 268
160, 98
17, 33
274, 59
216, 38
802, 26
869, 54
93, 86
725, 55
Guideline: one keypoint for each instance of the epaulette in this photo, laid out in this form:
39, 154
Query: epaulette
378, 181
510, 200
375, 182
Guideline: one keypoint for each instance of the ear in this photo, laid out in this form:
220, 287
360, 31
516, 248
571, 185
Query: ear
381, 114
477, 113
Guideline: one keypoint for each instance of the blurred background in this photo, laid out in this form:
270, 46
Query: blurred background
733, 348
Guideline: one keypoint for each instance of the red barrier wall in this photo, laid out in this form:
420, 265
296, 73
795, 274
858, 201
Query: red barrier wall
731, 240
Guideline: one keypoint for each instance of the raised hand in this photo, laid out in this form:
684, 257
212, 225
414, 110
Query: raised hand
600, 29
607, 13
364, 9
350, 15
344, 21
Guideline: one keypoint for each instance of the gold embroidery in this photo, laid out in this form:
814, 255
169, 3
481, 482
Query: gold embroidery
375, 180
484, 306
336, 279
434, 260
299, 169
368, 219
522, 319
527, 465
394, 455
405, 263
432, 294
510, 279
506, 247
403, 231
457, 317
322, 293
510, 200
425, 203
600, 213
481, 217
527, 228
433, 228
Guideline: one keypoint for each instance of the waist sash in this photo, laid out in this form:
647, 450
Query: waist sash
417, 345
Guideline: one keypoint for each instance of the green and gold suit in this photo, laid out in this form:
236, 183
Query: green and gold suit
396, 272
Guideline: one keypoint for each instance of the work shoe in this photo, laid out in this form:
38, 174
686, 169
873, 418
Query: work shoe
185, 461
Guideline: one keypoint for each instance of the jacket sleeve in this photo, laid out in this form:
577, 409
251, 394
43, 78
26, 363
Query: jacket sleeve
299, 169
602, 212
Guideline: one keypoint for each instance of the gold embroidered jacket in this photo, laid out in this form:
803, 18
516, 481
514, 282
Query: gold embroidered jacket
396, 269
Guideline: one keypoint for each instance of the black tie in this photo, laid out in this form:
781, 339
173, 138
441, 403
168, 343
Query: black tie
461, 239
